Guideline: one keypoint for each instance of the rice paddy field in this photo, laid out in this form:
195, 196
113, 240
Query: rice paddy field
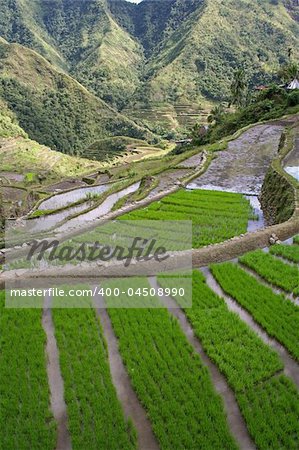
216, 216
219, 374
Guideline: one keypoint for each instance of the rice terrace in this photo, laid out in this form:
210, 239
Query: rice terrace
149, 230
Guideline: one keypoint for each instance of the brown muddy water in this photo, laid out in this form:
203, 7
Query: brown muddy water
55, 220
64, 199
99, 211
242, 167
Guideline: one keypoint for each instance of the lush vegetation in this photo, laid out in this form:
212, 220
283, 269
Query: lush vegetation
289, 252
9, 128
27, 156
110, 147
26, 421
196, 61
273, 270
188, 61
215, 216
53, 108
168, 376
296, 239
277, 315
95, 416
249, 365
271, 103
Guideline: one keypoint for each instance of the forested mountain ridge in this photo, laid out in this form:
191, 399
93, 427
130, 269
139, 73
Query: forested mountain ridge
197, 61
53, 108
166, 52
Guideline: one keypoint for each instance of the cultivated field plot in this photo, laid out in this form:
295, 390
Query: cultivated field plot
275, 313
273, 270
269, 403
216, 216
169, 378
95, 415
288, 252
26, 421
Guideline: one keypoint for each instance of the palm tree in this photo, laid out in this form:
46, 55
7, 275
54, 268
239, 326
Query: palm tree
216, 114
289, 72
238, 88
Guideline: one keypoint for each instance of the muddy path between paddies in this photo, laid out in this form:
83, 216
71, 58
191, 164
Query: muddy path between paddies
243, 165
56, 384
291, 367
234, 417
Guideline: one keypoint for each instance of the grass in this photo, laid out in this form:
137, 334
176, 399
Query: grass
273, 270
289, 252
9, 127
27, 156
277, 315
276, 405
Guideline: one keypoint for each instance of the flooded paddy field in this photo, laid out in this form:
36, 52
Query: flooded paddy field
67, 198
242, 167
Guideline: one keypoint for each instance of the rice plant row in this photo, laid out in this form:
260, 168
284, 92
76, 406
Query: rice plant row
95, 416
289, 252
26, 421
169, 378
275, 313
273, 270
238, 351
216, 216
250, 367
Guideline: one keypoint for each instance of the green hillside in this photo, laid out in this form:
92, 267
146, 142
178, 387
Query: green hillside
81, 38
53, 108
183, 51
199, 59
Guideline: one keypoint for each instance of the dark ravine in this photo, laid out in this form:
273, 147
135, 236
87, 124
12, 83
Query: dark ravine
235, 420
291, 367
126, 394
56, 384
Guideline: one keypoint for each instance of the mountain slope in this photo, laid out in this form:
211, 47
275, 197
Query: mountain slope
53, 108
199, 59
174, 52
80, 37
20, 21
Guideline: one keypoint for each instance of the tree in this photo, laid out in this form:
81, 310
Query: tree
289, 72
239, 88
216, 114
